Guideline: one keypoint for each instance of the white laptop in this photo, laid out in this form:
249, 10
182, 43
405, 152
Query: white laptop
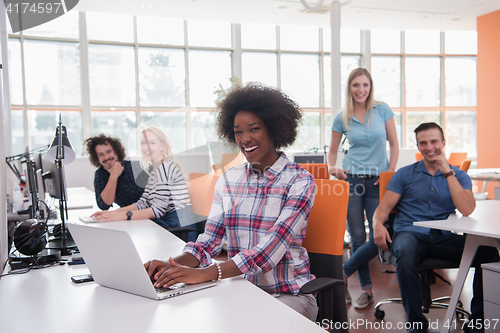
113, 261
76, 206
88, 219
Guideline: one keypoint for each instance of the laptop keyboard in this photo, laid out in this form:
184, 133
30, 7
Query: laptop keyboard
160, 290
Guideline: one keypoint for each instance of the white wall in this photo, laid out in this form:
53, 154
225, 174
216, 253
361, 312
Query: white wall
406, 157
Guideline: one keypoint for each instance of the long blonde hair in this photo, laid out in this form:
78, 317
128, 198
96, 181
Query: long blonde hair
349, 104
167, 154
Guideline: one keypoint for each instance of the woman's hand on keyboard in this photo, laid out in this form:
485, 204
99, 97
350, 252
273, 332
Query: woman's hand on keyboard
181, 274
156, 268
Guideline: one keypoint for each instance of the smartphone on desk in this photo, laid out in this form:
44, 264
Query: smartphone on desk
82, 278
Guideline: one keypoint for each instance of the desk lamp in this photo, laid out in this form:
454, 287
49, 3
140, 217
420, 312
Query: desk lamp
61, 152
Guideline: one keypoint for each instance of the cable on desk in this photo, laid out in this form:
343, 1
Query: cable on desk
34, 265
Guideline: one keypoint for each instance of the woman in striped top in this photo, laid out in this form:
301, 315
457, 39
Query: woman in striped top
165, 199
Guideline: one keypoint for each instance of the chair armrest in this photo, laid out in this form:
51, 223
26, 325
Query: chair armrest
181, 232
180, 229
319, 284
381, 256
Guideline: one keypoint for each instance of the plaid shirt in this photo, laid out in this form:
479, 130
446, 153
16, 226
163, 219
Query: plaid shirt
264, 220
127, 189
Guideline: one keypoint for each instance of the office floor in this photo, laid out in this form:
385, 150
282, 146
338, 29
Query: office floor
385, 285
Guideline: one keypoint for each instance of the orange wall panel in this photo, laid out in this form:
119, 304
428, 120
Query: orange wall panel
488, 90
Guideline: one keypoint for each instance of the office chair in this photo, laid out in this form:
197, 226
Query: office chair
181, 232
465, 165
201, 191
236, 158
456, 159
426, 268
317, 170
418, 156
201, 187
324, 243
228, 161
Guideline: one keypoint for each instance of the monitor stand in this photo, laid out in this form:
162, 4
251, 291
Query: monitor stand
64, 244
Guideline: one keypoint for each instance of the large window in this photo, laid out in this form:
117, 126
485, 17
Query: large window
16, 77
423, 81
52, 73
431, 78
138, 71
17, 131
300, 78
386, 75
208, 72
203, 128
461, 82
42, 127
162, 78
259, 66
112, 75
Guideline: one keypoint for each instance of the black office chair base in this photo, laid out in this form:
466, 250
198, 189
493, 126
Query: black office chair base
437, 303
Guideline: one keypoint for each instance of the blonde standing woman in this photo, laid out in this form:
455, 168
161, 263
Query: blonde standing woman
367, 124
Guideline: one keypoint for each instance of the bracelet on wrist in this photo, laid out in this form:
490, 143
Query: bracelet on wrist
219, 271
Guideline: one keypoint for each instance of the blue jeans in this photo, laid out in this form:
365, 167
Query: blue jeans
412, 247
171, 220
363, 196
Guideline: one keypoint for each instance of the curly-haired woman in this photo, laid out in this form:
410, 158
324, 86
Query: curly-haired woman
260, 207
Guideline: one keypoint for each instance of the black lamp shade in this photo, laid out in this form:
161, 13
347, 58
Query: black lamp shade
69, 153
29, 237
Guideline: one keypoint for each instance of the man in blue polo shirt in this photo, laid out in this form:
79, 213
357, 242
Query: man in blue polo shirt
430, 189
115, 180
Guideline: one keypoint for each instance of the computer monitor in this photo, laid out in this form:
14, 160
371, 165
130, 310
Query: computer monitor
35, 188
51, 174
40, 183
309, 158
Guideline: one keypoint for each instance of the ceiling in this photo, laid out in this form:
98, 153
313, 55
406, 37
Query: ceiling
439, 15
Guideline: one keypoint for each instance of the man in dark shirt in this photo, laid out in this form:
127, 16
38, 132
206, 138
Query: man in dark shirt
430, 189
114, 180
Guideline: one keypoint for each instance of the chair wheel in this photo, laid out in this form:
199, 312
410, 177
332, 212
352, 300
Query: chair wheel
379, 314
460, 304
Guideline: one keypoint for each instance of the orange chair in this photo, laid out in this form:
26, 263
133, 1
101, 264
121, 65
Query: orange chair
418, 156
383, 181
466, 165
457, 159
317, 170
201, 191
232, 158
228, 161
324, 243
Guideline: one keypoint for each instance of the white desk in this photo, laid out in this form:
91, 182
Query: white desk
46, 301
482, 227
486, 175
